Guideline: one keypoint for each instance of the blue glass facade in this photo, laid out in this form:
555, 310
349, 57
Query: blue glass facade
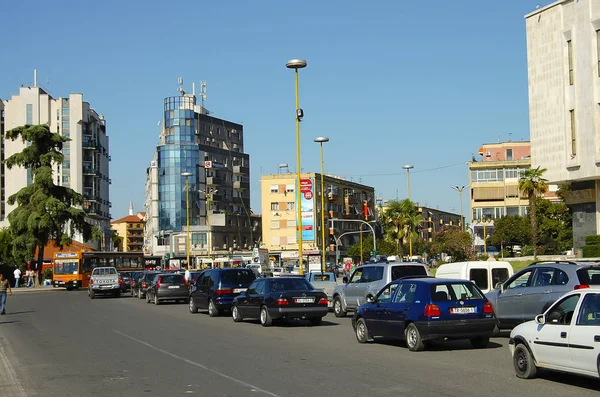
179, 154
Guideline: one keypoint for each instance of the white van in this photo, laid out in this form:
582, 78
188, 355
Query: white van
486, 274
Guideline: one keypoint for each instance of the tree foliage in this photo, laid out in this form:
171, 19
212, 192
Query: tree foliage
400, 222
450, 240
510, 231
384, 247
7, 259
533, 184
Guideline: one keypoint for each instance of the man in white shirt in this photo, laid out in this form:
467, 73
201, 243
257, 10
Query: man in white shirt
17, 274
187, 275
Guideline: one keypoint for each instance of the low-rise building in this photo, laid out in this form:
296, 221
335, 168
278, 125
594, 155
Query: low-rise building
131, 230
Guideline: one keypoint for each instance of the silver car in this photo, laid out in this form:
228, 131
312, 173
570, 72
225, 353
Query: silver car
367, 280
533, 289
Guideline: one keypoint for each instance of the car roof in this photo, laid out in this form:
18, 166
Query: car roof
565, 263
433, 280
391, 264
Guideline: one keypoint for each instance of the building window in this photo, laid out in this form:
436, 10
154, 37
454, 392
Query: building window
291, 223
291, 239
274, 189
29, 110
290, 206
598, 49
275, 240
570, 55
573, 133
274, 206
199, 239
275, 224
509, 154
289, 187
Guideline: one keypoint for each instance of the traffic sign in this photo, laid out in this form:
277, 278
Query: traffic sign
208, 164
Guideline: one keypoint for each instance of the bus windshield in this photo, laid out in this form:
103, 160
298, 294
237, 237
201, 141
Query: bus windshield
66, 266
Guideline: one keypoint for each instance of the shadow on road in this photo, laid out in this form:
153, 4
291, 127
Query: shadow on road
21, 312
570, 379
9, 322
436, 346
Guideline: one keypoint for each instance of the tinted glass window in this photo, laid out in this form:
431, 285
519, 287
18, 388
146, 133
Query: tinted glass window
172, 279
290, 284
589, 314
371, 274
521, 280
560, 277
323, 277
385, 295
479, 277
149, 276
106, 271
356, 277
563, 312
589, 275
242, 276
405, 271
542, 277
454, 292
499, 275
407, 293
260, 287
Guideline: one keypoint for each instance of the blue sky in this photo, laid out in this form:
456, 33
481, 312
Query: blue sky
389, 82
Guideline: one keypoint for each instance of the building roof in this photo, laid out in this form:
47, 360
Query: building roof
542, 9
128, 218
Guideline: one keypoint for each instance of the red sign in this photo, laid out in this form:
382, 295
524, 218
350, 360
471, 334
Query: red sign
308, 195
306, 188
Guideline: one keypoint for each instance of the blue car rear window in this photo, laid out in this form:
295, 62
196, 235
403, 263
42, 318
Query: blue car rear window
242, 276
454, 292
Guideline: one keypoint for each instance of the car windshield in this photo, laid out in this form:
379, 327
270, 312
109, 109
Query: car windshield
454, 292
400, 271
589, 275
323, 277
290, 284
104, 271
241, 276
172, 279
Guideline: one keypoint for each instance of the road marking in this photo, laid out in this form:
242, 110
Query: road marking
9, 382
204, 367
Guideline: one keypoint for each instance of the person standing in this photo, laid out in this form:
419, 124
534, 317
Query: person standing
4, 289
17, 274
29, 278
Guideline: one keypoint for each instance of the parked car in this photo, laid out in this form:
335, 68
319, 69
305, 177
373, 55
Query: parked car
167, 287
533, 289
566, 337
128, 279
142, 283
419, 310
216, 288
277, 271
485, 274
325, 282
104, 281
367, 281
271, 299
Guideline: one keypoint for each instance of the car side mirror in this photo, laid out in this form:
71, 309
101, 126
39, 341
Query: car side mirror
540, 319
370, 299
345, 280
499, 286
243, 293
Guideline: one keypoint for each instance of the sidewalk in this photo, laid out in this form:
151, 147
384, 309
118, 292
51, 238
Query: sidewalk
37, 288
9, 384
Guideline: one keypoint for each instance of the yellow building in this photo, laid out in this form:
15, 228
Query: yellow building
345, 203
131, 231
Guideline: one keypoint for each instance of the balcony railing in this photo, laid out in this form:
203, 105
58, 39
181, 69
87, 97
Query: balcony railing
90, 170
238, 169
241, 185
214, 181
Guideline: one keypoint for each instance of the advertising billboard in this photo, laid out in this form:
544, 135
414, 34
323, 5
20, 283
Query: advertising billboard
307, 199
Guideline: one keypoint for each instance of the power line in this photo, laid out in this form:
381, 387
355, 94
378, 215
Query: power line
402, 173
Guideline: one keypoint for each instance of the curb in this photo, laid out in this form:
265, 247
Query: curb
26, 290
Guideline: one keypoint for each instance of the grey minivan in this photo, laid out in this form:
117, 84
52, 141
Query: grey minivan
367, 280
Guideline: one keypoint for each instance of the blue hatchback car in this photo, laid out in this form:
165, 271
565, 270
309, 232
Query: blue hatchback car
419, 310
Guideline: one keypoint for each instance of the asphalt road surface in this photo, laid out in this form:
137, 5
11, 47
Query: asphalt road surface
62, 343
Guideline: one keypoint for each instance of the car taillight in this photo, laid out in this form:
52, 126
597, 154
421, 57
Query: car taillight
158, 282
581, 286
144, 284
223, 291
282, 301
91, 281
488, 308
323, 301
432, 311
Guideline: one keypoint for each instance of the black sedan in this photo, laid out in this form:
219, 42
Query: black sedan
165, 287
271, 299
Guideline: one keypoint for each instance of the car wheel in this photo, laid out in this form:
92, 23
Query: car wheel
147, 298
480, 342
92, 294
413, 338
118, 294
265, 317
212, 309
235, 313
337, 307
523, 362
192, 306
362, 333
316, 320
156, 301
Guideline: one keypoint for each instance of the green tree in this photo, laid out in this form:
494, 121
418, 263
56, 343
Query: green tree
400, 221
510, 231
384, 247
7, 259
533, 184
116, 239
44, 212
555, 226
452, 241
98, 236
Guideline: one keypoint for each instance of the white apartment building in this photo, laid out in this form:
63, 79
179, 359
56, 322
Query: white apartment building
563, 59
85, 168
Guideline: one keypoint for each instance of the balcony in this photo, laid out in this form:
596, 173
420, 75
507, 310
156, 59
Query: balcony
90, 211
241, 185
91, 197
88, 143
89, 170
216, 197
214, 181
238, 169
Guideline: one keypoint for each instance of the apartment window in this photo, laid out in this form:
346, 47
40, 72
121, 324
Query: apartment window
274, 189
570, 55
290, 206
509, 154
274, 206
29, 111
291, 239
275, 224
573, 133
275, 240
291, 223
289, 187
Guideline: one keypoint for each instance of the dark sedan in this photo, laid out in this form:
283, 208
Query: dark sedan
140, 287
167, 287
271, 299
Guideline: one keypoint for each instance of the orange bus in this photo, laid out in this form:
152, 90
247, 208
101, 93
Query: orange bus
73, 269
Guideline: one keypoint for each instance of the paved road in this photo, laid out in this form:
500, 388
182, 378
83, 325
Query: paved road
62, 343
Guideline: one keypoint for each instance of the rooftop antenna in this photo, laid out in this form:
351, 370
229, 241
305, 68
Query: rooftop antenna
510, 136
35, 77
180, 88
498, 138
202, 92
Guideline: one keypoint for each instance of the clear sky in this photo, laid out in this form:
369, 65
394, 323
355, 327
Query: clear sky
389, 82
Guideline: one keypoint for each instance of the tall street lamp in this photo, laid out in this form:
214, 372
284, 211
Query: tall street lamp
298, 64
408, 167
321, 140
462, 218
187, 214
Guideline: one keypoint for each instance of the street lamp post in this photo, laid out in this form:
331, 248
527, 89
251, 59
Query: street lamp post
462, 218
408, 167
208, 196
187, 214
321, 140
298, 64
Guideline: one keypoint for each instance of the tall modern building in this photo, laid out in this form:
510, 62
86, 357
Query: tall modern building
563, 63
85, 168
211, 150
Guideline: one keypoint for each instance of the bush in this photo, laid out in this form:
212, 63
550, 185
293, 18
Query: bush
482, 257
594, 239
48, 274
504, 254
591, 251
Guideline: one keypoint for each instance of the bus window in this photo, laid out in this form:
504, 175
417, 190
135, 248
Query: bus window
66, 267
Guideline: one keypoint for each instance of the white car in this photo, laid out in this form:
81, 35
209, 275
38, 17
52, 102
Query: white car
565, 338
277, 271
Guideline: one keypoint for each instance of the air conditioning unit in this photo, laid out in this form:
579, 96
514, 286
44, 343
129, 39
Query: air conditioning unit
488, 154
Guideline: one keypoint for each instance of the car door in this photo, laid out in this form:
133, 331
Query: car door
584, 336
509, 306
536, 296
351, 289
400, 309
371, 283
255, 296
377, 314
204, 289
551, 339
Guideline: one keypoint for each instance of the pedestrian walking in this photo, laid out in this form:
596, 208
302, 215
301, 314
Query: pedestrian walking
187, 275
17, 274
30, 277
4, 289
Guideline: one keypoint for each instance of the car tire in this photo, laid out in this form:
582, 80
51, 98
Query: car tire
316, 320
147, 298
156, 301
212, 309
265, 317
361, 331
523, 362
192, 306
92, 294
413, 338
338, 310
480, 342
118, 294
236, 315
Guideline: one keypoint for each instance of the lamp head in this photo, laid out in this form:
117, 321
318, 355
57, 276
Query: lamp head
408, 167
186, 174
321, 139
296, 64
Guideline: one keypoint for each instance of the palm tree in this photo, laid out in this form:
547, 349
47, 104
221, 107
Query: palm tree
399, 221
533, 184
